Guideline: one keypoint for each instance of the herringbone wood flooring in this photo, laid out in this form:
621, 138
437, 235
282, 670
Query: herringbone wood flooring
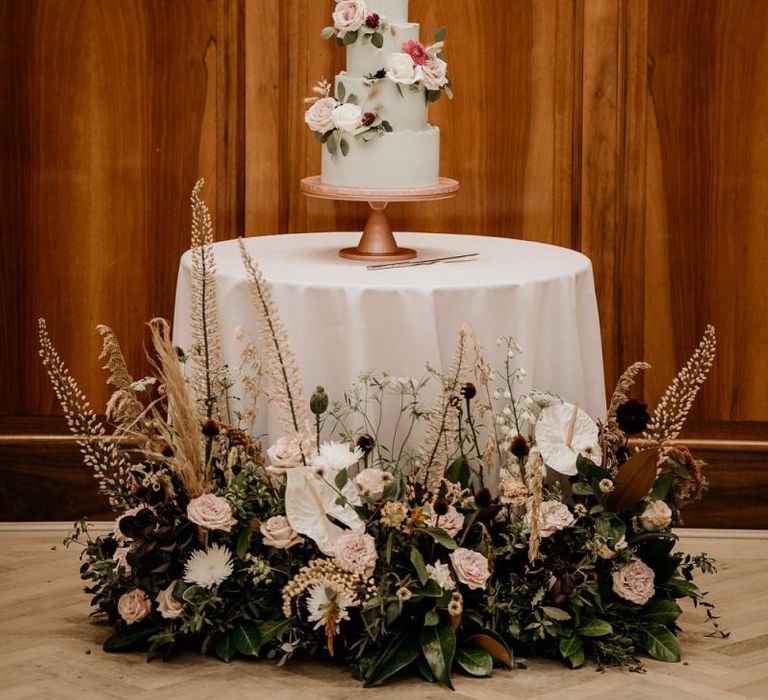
49, 649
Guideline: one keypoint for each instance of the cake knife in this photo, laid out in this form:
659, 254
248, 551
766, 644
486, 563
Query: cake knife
428, 261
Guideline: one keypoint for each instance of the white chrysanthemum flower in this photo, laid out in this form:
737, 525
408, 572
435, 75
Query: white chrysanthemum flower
335, 456
441, 573
328, 606
208, 568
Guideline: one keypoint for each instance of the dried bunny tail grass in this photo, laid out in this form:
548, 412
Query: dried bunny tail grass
612, 432
123, 408
483, 374
111, 470
534, 477
280, 367
669, 417
182, 429
205, 355
435, 447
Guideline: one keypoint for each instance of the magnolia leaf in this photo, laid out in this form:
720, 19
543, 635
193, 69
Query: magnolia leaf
440, 34
327, 32
244, 542
332, 145
339, 41
494, 645
475, 661
350, 38
680, 588
224, 647
352, 99
448, 92
343, 476
662, 612
418, 563
341, 91
432, 618
433, 95
247, 639
344, 150
438, 644
634, 480
377, 40
569, 646
657, 641
595, 627
402, 651
441, 537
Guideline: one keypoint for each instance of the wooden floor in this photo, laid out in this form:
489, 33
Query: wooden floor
49, 649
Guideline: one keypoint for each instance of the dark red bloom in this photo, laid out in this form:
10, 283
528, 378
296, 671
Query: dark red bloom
468, 390
440, 506
632, 417
372, 21
483, 498
368, 118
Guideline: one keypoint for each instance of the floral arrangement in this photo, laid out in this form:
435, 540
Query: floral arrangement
516, 525
353, 20
333, 119
418, 65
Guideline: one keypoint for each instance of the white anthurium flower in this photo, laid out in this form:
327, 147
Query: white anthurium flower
309, 499
563, 432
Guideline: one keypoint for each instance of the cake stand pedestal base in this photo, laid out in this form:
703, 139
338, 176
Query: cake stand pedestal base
378, 242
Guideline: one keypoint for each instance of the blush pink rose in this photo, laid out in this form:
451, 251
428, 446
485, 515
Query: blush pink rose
634, 582
167, 605
349, 15
512, 491
285, 453
451, 522
134, 606
434, 74
356, 552
278, 533
319, 116
553, 516
211, 512
471, 567
656, 516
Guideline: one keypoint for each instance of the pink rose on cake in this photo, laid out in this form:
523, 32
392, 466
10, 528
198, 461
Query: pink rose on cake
401, 69
349, 117
349, 15
319, 117
434, 73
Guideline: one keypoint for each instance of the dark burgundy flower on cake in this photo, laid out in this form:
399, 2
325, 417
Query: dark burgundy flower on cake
632, 417
372, 21
519, 447
380, 74
368, 118
468, 390
417, 51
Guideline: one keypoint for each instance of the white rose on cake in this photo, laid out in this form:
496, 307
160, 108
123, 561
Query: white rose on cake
434, 73
319, 117
402, 69
349, 15
348, 117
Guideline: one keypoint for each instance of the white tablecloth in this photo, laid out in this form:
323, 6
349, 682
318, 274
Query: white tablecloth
343, 319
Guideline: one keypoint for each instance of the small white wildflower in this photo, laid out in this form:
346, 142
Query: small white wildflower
606, 485
404, 594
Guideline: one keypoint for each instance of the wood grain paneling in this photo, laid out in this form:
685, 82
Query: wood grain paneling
630, 129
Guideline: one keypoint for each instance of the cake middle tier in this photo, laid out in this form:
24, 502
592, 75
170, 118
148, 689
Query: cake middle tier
396, 160
366, 59
405, 109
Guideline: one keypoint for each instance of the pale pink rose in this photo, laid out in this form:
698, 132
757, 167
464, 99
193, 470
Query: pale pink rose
286, 453
349, 15
553, 516
434, 73
451, 522
471, 567
134, 606
356, 552
167, 605
211, 512
318, 116
634, 582
417, 51
278, 533
120, 559
656, 516
512, 491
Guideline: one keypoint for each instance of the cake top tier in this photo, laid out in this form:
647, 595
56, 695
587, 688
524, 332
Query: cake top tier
396, 11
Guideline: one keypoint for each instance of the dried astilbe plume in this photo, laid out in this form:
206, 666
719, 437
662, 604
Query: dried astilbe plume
669, 417
207, 369
110, 468
322, 89
182, 430
285, 391
534, 477
436, 445
123, 408
613, 435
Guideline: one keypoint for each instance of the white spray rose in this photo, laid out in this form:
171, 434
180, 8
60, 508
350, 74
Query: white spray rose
348, 117
401, 69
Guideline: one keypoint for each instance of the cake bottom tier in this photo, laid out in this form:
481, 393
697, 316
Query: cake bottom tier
398, 159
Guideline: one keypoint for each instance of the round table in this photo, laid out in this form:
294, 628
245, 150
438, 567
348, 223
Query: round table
344, 319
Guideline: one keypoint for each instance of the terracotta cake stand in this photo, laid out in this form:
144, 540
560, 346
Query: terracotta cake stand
378, 241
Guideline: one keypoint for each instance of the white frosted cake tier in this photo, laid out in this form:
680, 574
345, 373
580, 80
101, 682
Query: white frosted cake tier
395, 160
392, 10
364, 59
404, 112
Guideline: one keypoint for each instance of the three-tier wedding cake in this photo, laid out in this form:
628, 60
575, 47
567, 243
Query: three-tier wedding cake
374, 129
